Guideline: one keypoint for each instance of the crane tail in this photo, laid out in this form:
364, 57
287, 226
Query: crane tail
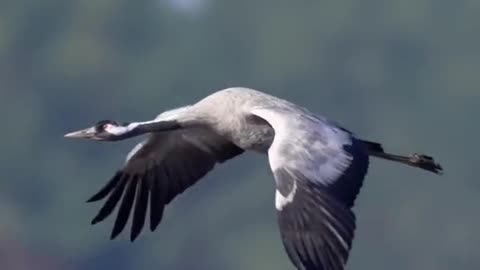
416, 160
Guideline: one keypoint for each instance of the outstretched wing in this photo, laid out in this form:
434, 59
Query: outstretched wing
156, 171
319, 170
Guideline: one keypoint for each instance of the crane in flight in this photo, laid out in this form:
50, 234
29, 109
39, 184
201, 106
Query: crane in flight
318, 167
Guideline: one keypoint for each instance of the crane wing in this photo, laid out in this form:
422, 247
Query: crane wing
319, 170
156, 171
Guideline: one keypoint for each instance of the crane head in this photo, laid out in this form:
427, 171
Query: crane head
105, 130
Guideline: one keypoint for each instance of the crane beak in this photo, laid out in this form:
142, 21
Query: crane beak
88, 133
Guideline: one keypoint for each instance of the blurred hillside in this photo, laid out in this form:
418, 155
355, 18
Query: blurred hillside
402, 72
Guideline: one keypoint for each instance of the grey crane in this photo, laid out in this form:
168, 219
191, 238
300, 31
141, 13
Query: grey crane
318, 167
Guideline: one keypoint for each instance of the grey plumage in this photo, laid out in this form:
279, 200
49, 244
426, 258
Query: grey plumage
318, 167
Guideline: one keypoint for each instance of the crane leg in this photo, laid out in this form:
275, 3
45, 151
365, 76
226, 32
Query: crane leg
421, 161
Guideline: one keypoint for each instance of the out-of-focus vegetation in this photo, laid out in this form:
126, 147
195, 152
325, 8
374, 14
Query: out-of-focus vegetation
402, 72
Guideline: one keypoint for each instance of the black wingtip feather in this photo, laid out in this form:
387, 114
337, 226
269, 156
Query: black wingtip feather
156, 216
141, 205
111, 202
105, 190
125, 209
157, 197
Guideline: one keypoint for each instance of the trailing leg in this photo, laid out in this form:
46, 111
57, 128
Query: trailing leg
416, 160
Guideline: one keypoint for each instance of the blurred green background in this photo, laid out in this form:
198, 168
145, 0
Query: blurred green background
402, 72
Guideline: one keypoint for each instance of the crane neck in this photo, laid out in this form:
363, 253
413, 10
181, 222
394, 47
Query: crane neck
139, 128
